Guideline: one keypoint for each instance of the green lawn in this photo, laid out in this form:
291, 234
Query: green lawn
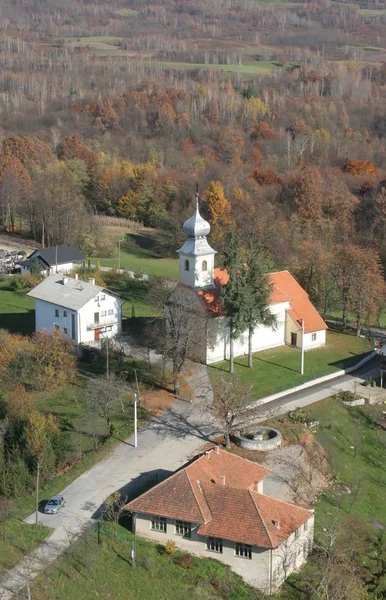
278, 369
356, 448
138, 254
104, 571
134, 295
17, 310
337, 314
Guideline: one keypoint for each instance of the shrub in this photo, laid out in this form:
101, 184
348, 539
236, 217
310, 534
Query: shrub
170, 547
299, 416
25, 282
183, 560
345, 396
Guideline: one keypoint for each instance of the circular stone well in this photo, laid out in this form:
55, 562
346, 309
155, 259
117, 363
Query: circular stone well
257, 438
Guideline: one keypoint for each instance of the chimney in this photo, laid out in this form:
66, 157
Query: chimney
217, 449
222, 477
76, 276
91, 280
258, 487
276, 523
207, 454
65, 280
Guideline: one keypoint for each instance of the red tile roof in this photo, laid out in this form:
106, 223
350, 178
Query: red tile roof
216, 490
259, 515
285, 289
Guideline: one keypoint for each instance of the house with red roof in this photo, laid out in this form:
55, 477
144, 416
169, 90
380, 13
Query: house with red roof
215, 507
298, 322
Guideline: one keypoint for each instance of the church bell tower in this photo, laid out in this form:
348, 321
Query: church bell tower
196, 256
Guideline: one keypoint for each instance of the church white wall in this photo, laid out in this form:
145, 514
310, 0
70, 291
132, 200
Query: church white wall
262, 339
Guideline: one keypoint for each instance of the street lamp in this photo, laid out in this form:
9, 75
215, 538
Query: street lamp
135, 420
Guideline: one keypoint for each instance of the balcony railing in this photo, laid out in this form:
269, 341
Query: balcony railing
107, 323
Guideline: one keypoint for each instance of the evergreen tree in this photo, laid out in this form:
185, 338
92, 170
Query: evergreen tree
257, 291
233, 293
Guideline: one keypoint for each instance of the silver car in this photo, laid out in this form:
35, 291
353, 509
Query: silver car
54, 504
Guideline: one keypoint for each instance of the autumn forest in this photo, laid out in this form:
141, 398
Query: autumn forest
276, 109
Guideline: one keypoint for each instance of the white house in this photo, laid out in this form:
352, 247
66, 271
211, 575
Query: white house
215, 507
198, 279
54, 259
84, 312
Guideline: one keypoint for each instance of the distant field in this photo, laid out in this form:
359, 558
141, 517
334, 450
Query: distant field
108, 46
126, 12
253, 68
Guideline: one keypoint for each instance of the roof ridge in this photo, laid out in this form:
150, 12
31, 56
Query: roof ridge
292, 504
254, 463
261, 518
198, 503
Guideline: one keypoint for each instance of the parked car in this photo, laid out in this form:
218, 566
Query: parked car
54, 504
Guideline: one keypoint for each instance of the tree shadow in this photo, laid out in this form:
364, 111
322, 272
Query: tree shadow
171, 423
137, 486
22, 322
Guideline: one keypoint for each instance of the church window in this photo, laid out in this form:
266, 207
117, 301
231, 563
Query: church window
186, 265
204, 265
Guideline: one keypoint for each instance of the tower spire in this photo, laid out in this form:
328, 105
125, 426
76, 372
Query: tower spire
196, 255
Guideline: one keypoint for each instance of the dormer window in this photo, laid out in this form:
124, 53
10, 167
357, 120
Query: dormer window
187, 265
204, 265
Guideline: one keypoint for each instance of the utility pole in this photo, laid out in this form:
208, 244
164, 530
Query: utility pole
37, 494
119, 254
135, 420
302, 359
107, 357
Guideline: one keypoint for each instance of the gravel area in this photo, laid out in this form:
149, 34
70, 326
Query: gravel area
296, 476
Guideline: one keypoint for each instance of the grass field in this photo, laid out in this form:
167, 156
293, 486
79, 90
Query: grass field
278, 369
104, 571
17, 313
134, 295
336, 314
137, 253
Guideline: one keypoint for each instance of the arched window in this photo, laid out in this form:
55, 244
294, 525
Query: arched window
204, 265
186, 265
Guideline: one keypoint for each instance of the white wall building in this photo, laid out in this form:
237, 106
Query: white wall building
84, 312
289, 301
54, 259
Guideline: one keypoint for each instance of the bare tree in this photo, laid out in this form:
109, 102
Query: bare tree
230, 399
104, 395
185, 328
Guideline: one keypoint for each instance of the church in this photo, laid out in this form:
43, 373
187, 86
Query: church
298, 321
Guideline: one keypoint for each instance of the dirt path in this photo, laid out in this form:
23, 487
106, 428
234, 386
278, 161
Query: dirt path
12, 242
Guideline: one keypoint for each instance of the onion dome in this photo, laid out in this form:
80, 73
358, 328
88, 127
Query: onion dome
196, 226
